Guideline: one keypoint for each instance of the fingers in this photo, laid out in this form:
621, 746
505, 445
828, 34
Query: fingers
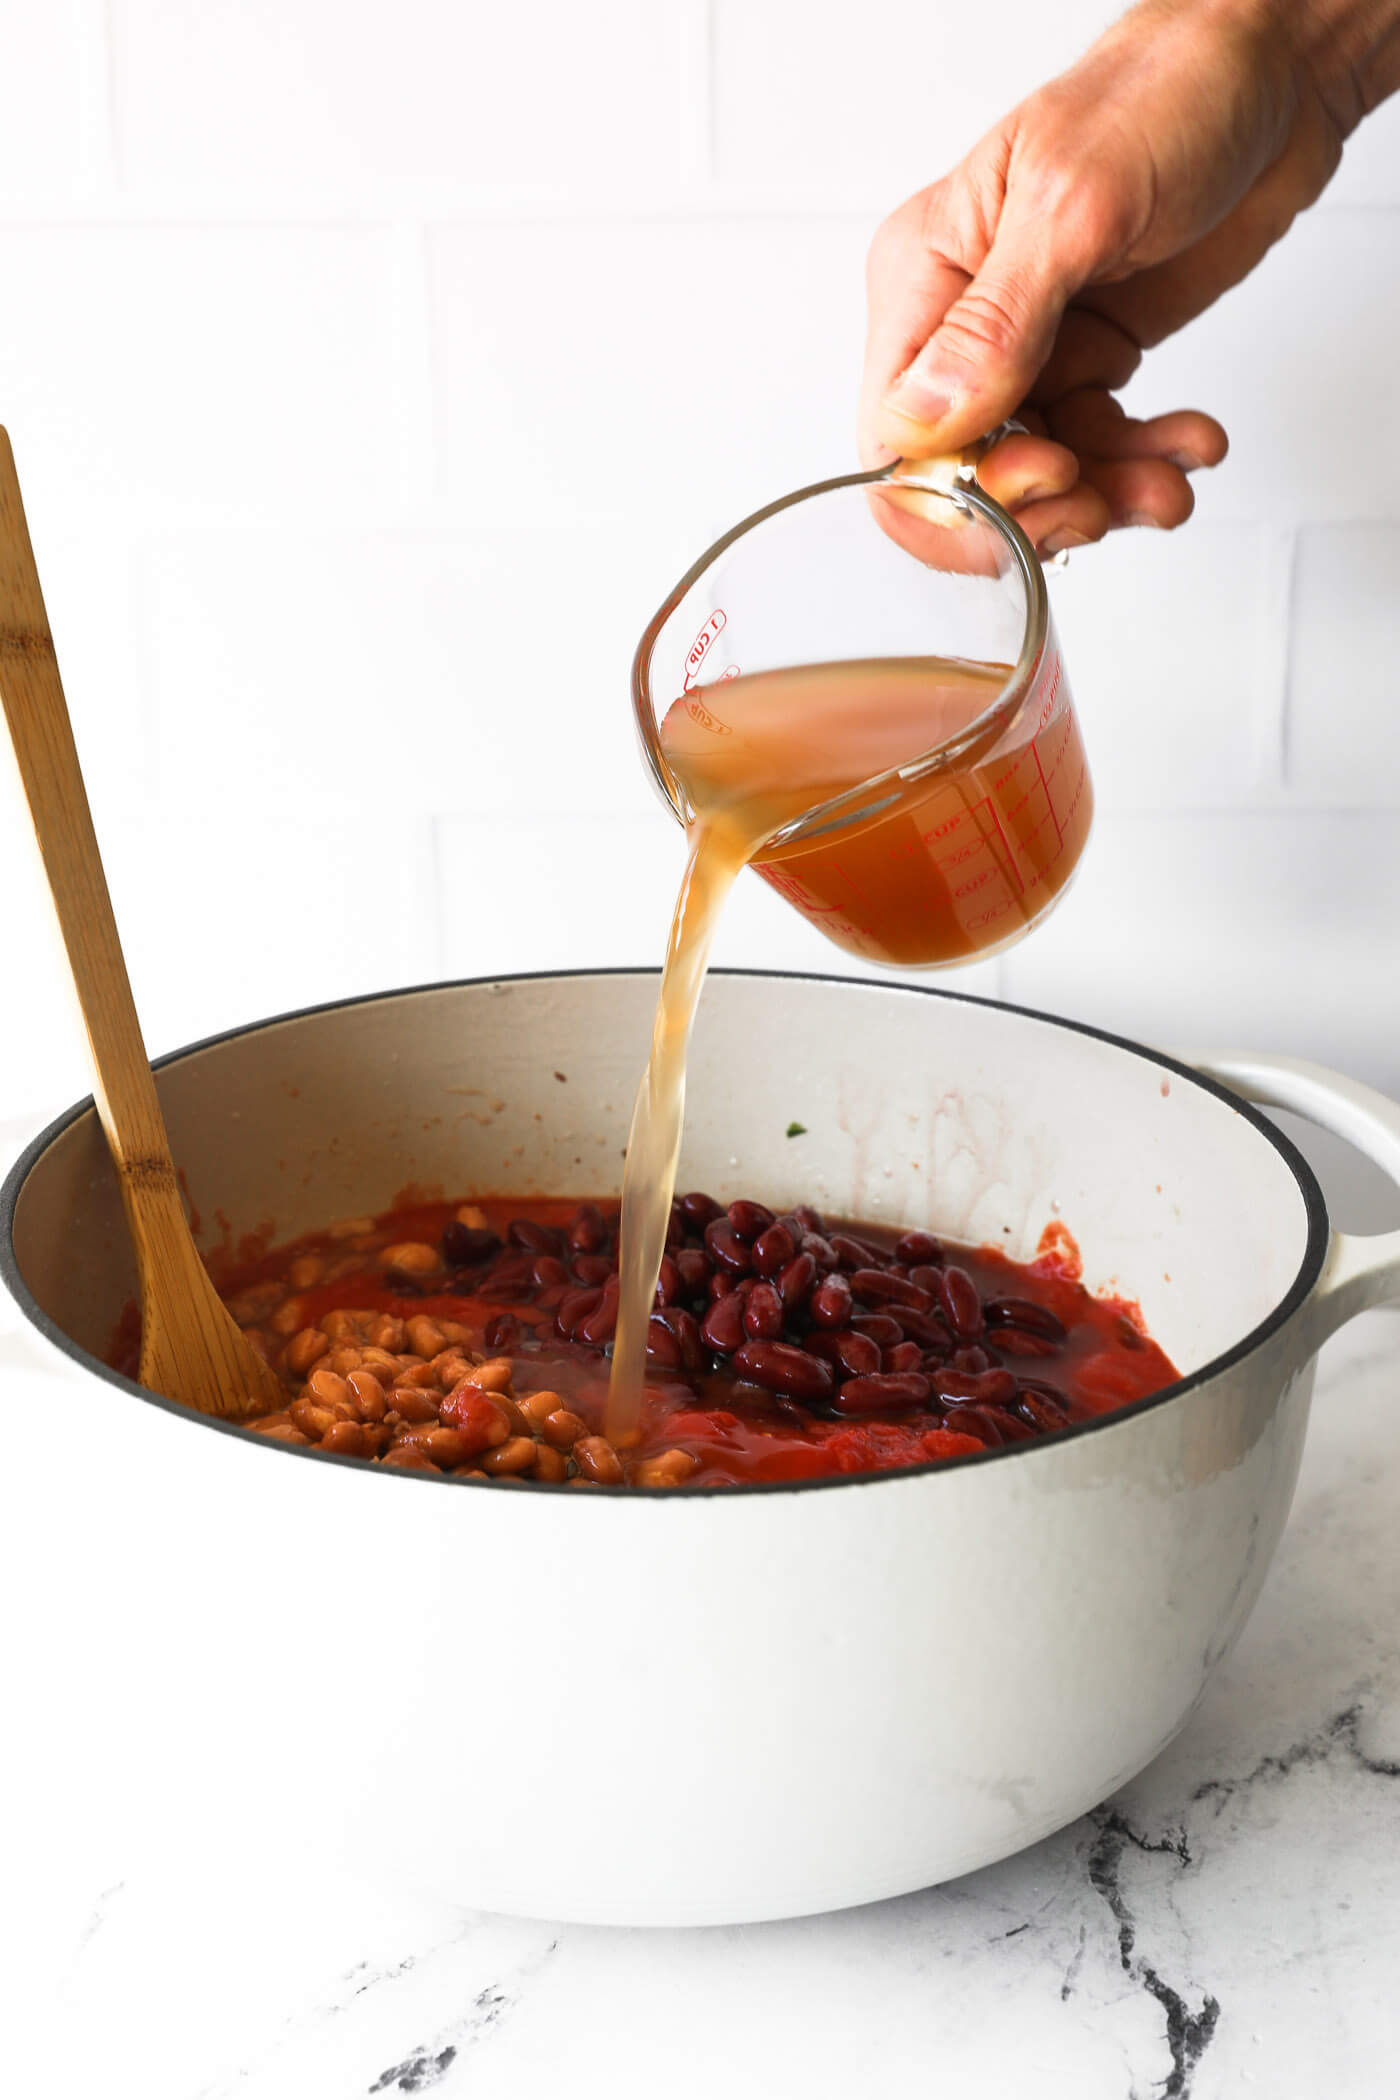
1142, 491
1073, 520
983, 356
1019, 470
1091, 423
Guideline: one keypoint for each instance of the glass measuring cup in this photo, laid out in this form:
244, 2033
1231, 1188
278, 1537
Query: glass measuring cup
882, 643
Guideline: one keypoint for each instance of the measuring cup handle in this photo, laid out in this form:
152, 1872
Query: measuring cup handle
1361, 1269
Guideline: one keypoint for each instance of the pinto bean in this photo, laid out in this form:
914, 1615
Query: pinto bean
596, 1460
305, 1349
550, 1465
515, 1455
412, 1258
667, 1469
563, 1428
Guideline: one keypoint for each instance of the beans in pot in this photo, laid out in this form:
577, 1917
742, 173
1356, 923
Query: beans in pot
470, 1341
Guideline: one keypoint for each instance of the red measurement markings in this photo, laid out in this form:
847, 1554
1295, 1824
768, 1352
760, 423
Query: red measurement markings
1059, 831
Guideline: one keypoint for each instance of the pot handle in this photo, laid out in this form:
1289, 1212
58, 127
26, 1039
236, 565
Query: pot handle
1361, 1269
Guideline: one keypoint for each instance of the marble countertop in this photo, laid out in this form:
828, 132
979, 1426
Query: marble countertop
1229, 1922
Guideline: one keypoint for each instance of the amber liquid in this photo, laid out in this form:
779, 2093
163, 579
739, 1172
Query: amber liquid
939, 871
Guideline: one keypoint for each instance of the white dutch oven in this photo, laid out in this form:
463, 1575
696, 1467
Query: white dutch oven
710, 1705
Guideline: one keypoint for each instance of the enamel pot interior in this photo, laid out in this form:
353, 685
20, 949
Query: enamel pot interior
927, 1628
916, 1106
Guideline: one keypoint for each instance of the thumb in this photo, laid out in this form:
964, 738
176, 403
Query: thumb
981, 361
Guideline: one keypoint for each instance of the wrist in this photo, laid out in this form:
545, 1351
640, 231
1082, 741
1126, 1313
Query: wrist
1349, 48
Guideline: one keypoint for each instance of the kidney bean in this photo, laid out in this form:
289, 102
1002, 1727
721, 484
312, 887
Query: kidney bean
548, 1298
810, 1220
510, 1272
547, 1269
794, 1284
464, 1244
773, 1249
720, 1285
1013, 1429
502, 1332
722, 1328
699, 1209
727, 1248
1023, 1314
914, 1247
600, 1325
883, 1287
574, 1308
763, 1314
782, 1369
675, 1227
663, 1350
998, 1387
961, 1304
831, 1300
883, 1390
668, 1282
593, 1268
971, 1421
905, 1356
685, 1331
926, 1278
532, 1236
821, 1251
884, 1331
853, 1253
596, 1460
974, 1358
588, 1232
747, 1220
856, 1354
1041, 1413
923, 1327
693, 1270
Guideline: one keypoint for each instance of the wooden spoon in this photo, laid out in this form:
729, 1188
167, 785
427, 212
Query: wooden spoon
190, 1348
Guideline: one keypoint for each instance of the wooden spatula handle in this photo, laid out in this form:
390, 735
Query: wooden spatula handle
37, 714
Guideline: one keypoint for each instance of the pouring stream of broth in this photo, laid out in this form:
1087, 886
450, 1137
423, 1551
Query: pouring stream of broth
752, 755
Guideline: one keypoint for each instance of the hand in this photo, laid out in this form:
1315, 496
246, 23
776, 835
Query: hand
1109, 209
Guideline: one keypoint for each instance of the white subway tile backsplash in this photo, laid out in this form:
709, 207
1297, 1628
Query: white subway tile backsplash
218, 375
1175, 645
293, 102
657, 371
1297, 363
44, 145
1344, 681
487, 672
1270, 930
874, 102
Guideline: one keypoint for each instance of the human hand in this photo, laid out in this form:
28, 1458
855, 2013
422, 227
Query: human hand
1106, 211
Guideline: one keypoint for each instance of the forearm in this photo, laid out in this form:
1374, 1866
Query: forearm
1351, 48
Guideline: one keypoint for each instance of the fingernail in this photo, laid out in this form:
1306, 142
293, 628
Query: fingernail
1060, 542
1187, 461
919, 396
1037, 491
1143, 517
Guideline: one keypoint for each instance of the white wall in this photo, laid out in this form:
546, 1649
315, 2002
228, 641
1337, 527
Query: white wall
372, 371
